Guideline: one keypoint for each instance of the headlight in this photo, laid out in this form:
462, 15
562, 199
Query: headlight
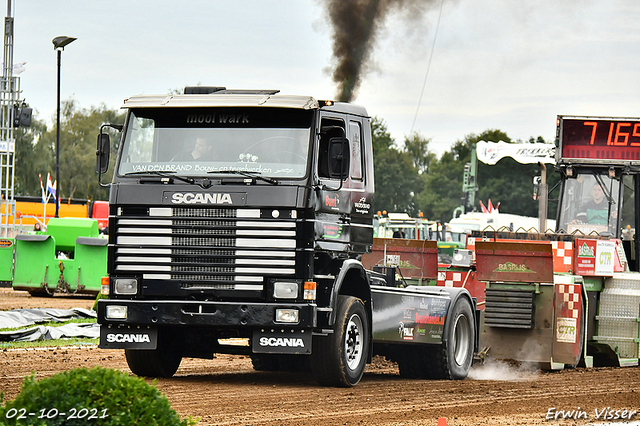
285, 290
126, 286
116, 312
287, 315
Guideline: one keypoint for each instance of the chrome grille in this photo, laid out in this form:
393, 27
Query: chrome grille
509, 308
206, 248
198, 212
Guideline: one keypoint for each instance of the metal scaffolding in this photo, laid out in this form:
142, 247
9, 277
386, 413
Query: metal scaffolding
9, 92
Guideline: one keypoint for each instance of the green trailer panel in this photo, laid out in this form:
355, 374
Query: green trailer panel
69, 258
6, 261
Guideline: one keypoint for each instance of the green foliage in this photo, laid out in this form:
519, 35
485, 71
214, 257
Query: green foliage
414, 180
381, 138
442, 188
396, 177
507, 182
79, 128
113, 397
98, 297
396, 181
418, 148
55, 343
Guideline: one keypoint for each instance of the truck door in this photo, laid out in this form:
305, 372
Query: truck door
358, 184
630, 220
343, 203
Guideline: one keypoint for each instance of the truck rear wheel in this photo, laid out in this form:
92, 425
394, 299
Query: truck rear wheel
453, 359
340, 358
160, 362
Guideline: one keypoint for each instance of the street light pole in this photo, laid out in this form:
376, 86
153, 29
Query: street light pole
58, 44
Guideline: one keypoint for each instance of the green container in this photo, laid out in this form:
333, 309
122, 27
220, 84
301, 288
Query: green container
65, 231
69, 258
6, 261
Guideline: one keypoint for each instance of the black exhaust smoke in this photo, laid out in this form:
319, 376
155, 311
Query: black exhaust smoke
355, 24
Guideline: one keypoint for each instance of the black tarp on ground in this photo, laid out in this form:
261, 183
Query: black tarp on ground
41, 332
24, 317
27, 317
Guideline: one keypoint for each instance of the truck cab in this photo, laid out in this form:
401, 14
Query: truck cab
232, 214
237, 220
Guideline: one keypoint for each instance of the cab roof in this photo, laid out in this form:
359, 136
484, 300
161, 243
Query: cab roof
203, 96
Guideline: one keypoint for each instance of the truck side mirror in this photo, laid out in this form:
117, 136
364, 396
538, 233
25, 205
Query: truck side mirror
102, 153
339, 157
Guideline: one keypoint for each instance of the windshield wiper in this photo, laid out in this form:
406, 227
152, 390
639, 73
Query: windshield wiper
251, 175
169, 174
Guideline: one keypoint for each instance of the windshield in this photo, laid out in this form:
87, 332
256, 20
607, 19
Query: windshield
590, 204
194, 142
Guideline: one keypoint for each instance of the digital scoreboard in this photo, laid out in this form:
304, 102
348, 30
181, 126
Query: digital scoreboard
598, 139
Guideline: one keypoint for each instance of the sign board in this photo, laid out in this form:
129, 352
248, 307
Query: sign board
598, 139
414, 258
595, 257
525, 153
514, 261
7, 146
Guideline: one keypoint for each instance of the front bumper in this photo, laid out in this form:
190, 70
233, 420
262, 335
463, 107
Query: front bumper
211, 314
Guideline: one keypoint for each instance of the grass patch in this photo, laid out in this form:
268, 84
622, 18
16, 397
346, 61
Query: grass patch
50, 343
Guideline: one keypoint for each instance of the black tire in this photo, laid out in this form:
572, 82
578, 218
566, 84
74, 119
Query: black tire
270, 362
160, 362
412, 362
339, 359
265, 362
452, 360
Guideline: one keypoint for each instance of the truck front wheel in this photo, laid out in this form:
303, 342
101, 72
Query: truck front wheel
160, 362
340, 358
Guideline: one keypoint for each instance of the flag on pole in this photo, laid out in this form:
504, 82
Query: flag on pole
51, 187
44, 196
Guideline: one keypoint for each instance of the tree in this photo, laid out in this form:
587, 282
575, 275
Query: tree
32, 157
79, 128
396, 177
380, 136
508, 182
442, 188
418, 148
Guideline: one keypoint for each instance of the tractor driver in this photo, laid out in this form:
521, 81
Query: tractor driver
596, 210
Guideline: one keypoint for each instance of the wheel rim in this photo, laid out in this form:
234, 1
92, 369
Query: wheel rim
461, 338
353, 343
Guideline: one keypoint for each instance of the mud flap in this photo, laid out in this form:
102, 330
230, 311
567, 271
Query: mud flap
125, 337
568, 319
281, 341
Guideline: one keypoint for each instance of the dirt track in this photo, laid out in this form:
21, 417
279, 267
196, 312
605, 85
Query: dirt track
227, 391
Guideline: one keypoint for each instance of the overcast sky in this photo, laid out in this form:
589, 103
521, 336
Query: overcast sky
497, 64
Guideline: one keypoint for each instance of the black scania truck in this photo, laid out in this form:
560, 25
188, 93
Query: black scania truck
237, 222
